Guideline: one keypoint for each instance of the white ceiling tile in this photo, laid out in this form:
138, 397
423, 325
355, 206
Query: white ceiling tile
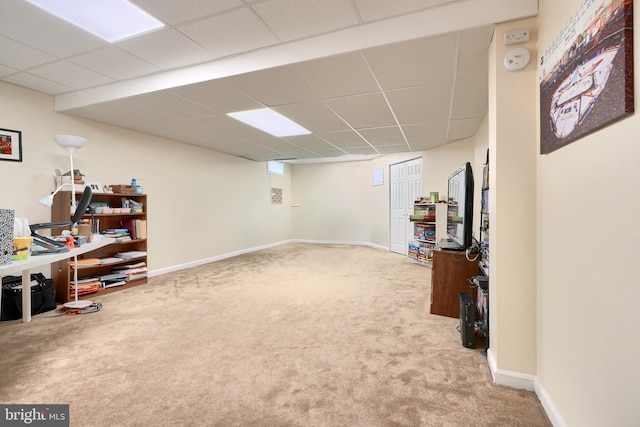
114, 63
161, 48
332, 152
295, 19
272, 87
463, 128
70, 74
226, 125
175, 12
414, 63
314, 116
471, 99
388, 149
390, 135
34, 27
309, 142
425, 136
366, 150
344, 139
372, 10
218, 96
421, 104
363, 111
171, 104
334, 76
37, 83
230, 33
20, 56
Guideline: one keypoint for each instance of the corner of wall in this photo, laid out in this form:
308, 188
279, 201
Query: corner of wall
509, 378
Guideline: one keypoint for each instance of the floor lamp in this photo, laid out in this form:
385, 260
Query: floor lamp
71, 143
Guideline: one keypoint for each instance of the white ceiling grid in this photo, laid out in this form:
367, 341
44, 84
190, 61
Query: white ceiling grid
364, 76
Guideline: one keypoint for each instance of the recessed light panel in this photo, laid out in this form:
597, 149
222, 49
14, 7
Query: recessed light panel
111, 20
269, 121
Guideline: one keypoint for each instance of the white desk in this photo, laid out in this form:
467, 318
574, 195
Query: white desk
34, 261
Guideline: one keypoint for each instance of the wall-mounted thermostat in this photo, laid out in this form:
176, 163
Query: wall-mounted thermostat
516, 59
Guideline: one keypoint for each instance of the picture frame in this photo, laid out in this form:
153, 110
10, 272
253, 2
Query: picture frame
586, 73
11, 145
96, 187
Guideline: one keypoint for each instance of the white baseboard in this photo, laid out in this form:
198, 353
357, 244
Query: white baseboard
202, 261
549, 407
509, 378
340, 242
196, 263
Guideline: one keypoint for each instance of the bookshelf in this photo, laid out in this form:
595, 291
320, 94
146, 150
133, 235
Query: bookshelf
101, 264
429, 226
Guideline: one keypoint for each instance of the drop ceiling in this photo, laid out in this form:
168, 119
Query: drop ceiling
366, 77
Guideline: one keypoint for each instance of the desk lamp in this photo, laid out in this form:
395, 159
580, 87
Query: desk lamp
71, 143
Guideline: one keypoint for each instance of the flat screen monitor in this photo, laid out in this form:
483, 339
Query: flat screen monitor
460, 207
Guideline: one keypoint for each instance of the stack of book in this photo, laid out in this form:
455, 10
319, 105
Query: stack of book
86, 286
118, 234
112, 280
131, 254
132, 271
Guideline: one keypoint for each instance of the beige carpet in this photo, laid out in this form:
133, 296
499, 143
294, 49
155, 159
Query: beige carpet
297, 335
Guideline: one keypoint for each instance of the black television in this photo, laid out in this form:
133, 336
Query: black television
460, 208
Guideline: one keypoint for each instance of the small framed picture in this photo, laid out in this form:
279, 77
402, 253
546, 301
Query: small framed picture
11, 145
96, 187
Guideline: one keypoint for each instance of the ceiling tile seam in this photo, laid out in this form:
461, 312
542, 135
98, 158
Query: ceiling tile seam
323, 100
71, 89
257, 15
456, 61
386, 100
319, 137
354, 5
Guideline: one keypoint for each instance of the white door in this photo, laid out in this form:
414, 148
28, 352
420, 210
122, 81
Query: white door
405, 187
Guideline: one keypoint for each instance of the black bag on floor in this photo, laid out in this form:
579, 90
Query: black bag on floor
41, 296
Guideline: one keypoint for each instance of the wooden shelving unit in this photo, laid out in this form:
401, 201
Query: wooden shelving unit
429, 226
62, 271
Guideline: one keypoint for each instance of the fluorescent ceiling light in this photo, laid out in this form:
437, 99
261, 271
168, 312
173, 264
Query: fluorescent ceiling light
269, 121
111, 20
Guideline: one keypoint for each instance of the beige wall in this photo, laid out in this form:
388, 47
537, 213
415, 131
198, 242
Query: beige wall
204, 203
512, 205
338, 201
588, 290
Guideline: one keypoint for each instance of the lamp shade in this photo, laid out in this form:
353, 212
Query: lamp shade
70, 141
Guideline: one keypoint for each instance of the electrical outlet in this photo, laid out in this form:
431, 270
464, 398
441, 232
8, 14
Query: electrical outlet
516, 36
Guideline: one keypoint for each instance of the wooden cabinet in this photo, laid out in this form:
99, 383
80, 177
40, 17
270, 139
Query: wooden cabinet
450, 275
62, 271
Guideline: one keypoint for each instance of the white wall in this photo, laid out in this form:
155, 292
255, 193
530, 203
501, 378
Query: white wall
202, 204
588, 288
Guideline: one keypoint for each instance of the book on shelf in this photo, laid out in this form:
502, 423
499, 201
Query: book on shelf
137, 228
110, 260
131, 254
130, 266
85, 288
86, 262
107, 285
113, 279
